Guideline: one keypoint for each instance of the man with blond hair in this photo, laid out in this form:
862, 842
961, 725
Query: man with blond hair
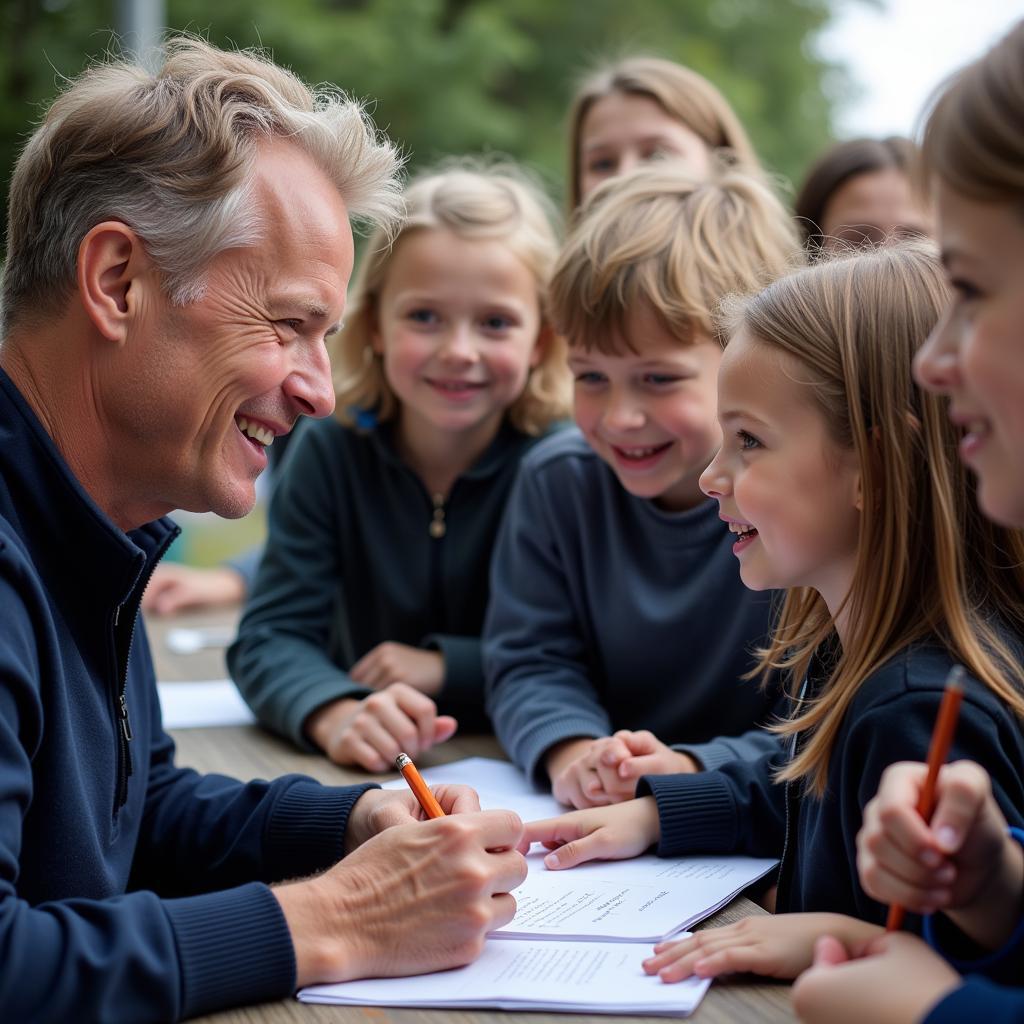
178, 250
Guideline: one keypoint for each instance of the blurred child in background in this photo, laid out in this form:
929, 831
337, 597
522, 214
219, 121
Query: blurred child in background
646, 108
862, 192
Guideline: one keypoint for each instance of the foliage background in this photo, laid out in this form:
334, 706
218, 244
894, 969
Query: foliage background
454, 76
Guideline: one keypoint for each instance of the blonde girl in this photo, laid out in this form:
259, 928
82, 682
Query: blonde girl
840, 481
361, 637
644, 108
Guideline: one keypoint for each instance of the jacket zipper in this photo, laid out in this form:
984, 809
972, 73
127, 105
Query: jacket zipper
438, 527
123, 722
125, 768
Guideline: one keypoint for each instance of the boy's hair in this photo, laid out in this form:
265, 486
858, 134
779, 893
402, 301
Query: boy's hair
854, 324
842, 163
172, 154
683, 94
973, 138
658, 238
474, 201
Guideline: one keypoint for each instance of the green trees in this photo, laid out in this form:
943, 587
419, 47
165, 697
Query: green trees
452, 76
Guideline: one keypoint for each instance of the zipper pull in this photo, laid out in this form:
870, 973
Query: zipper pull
126, 725
437, 525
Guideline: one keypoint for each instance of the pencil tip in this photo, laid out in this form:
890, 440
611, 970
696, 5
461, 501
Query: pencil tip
955, 679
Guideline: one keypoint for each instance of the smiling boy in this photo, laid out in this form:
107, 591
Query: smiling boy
615, 599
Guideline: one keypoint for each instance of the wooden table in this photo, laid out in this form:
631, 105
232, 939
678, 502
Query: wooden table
249, 752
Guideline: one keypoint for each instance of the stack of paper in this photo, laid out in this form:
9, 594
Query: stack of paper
589, 919
571, 977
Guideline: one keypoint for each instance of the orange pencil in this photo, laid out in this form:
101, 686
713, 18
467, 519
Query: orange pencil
431, 808
942, 738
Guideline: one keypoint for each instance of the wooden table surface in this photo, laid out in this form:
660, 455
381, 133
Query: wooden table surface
247, 752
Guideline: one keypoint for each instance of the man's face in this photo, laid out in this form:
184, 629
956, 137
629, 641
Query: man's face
200, 390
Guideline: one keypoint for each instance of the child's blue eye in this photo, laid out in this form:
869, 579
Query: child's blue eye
497, 323
661, 379
747, 441
602, 165
589, 377
422, 316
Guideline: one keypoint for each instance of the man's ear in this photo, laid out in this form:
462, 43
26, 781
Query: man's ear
111, 265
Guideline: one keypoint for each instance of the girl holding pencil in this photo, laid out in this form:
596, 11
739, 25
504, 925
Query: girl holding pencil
841, 482
966, 865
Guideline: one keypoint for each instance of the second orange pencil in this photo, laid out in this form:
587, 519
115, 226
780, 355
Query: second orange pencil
938, 751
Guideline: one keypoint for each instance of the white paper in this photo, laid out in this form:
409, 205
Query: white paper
190, 639
206, 703
582, 977
646, 899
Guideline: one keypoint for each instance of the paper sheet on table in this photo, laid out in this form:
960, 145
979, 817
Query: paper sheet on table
202, 704
645, 899
571, 977
190, 639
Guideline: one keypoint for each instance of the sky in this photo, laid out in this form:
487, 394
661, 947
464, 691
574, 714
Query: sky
899, 51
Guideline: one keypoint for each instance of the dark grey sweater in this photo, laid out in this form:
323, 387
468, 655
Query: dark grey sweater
608, 613
351, 561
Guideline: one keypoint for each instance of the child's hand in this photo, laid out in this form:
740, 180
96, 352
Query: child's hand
779, 946
573, 781
390, 663
372, 732
619, 760
964, 862
898, 981
600, 833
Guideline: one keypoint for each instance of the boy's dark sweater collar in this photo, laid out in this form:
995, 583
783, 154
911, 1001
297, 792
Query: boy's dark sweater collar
88, 562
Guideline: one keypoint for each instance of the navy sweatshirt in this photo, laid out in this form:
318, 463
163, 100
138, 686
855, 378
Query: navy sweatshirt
609, 613
130, 890
741, 809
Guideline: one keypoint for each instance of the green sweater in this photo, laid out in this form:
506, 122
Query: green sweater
357, 554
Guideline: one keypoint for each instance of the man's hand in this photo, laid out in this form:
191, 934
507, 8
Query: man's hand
963, 863
897, 979
380, 809
176, 588
373, 731
390, 663
601, 833
414, 898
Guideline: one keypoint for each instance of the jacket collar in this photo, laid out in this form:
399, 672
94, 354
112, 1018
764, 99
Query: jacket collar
84, 559
493, 459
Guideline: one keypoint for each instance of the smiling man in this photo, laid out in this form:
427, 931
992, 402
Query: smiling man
179, 248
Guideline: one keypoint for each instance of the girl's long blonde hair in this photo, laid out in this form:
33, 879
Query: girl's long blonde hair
474, 201
929, 564
682, 93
